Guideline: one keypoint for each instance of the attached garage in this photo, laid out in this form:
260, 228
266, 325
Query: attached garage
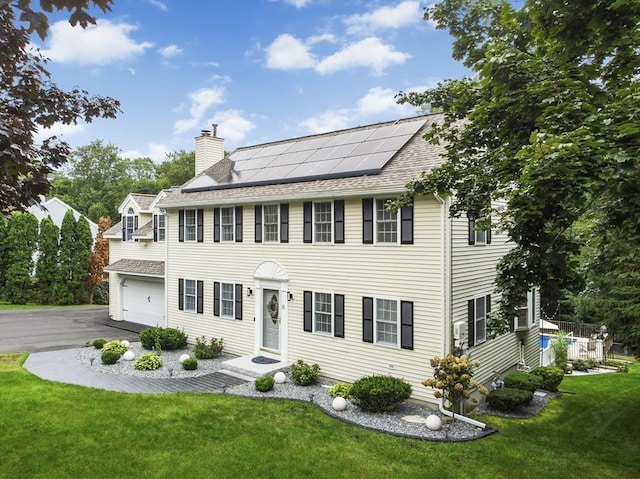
143, 301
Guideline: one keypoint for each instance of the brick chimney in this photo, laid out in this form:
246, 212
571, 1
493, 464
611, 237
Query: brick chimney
209, 149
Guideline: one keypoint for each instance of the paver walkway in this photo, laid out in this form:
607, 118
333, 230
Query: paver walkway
62, 366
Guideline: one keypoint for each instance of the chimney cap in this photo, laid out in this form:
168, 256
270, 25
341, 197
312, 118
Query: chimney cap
215, 129
205, 132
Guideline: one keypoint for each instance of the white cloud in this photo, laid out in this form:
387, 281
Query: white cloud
327, 121
201, 101
382, 100
297, 3
325, 37
288, 53
99, 44
156, 151
388, 17
170, 51
58, 129
232, 126
370, 52
159, 4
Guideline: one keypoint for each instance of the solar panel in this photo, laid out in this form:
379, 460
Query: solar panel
361, 151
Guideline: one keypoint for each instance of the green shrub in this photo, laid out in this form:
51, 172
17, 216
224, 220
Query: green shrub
550, 377
99, 342
342, 390
303, 374
110, 357
521, 380
584, 364
116, 346
165, 338
265, 383
509, 399
190, 364
380, 393
621, 366
208, 350
148, 362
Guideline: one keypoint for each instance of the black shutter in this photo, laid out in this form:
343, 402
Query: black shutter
471, 322
338, 305
533, 306
307, 306
489, 232
367, 220
284, 223
367, 319
238, 224
200, 297
155, 228
216, 225
338, 221
135, 223
258, 223
238, 299
406, 225
216, 299
123, 222
472, 231
180, 225
200, 223
406, 324
181, 294
307, 226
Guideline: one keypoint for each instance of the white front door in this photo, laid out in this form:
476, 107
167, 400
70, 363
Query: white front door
271, 317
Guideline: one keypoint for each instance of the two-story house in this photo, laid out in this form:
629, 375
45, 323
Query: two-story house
287, 250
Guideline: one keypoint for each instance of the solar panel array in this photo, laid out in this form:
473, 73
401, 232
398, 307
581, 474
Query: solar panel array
341, 154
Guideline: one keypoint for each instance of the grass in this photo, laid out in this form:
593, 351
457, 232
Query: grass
56, 430
6, 306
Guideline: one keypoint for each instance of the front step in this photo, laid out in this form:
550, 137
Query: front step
244, 368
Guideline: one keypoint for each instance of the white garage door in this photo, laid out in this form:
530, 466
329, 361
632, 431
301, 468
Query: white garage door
143, 301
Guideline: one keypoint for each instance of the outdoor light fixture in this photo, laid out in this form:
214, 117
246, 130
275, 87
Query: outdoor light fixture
289, 296
249, 292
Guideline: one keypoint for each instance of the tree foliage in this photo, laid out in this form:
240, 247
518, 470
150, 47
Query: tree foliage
99, 257
47, 263
549, 124
21, 241
64, 284
30, 101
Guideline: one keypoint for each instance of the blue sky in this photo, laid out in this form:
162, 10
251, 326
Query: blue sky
264, 70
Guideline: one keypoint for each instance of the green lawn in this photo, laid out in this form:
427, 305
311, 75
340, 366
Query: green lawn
5, 306
52, 430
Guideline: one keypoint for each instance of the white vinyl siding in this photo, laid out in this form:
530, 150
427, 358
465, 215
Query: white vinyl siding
386, 223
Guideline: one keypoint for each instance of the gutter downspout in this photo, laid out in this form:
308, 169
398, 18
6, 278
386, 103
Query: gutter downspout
445, 309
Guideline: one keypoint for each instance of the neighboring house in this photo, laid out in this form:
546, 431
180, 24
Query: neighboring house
57, 208
286, 250
137, 253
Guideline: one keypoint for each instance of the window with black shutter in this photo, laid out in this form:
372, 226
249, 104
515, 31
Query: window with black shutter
367, 319
367, 220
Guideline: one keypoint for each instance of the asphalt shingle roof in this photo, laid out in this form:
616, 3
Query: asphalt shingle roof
137, 266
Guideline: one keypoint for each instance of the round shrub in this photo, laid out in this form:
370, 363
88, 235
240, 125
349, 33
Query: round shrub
208, 349
99, 342
166, 338
380, 393
521, 380
509, 399
190, 364
303, 374
265, 383
148, 362
342, 390
116, 346
550, 377
110, 357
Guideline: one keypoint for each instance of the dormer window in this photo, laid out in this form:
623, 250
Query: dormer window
129, 225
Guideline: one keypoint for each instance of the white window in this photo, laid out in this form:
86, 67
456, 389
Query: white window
526, 314
271, 223
190, 225
129, 225
162, 227
386, 321
227, 300
478, 236
227, 224
323, 222
480, 319
190, 299
323, 313
386, 224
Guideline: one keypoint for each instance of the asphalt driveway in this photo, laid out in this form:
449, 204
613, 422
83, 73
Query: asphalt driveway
36, 330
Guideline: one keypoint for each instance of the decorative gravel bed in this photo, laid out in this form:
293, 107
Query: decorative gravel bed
408, 420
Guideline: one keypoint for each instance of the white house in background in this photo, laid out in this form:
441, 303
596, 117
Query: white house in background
286, 250
137, 254
56, 208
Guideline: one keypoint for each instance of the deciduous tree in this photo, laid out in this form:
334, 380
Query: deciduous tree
99, 257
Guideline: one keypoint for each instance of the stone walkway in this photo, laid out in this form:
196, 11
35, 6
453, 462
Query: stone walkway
62, 366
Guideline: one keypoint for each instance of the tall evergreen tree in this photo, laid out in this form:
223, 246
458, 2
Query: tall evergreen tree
47, 263
22, 240
4, 230
64, 284
81, 260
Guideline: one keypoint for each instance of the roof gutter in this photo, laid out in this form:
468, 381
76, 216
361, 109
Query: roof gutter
445, 306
